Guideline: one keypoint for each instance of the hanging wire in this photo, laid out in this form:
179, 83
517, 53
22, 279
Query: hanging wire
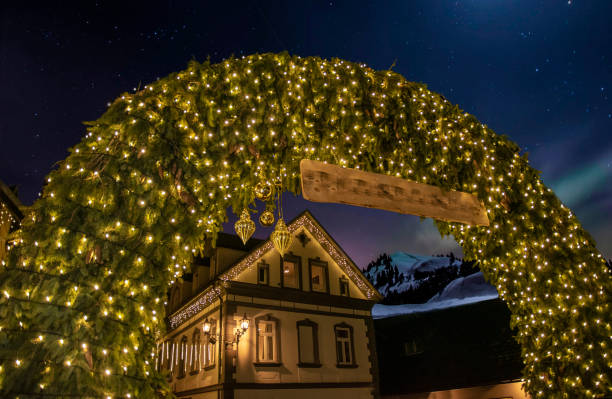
280, 199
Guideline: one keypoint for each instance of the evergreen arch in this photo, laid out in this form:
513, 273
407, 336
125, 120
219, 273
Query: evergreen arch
85, 281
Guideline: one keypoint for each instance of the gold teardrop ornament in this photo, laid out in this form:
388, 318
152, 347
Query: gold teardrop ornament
266, 219
263, 190
244, 227
281, 237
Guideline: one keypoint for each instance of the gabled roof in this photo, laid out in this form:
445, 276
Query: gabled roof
305, 220
308, 221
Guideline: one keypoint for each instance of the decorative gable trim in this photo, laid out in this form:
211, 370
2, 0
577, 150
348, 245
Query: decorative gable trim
193, 307
307, 221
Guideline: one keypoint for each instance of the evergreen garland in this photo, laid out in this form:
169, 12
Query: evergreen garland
83, 288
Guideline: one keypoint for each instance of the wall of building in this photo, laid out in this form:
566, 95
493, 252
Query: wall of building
510, 390
288, 371
309, 393
235, 368
205, 376
311, 250
224, 258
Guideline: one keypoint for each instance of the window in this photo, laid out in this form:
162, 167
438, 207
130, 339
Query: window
345, 352
268, 341
263, 274
167, 358
290, 272
308, 345
344, 286
195, 352
209, 348
411, 347
182, 357
318, 275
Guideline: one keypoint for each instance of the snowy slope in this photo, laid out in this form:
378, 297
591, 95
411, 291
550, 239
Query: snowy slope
460, 291
470, 286
382, 311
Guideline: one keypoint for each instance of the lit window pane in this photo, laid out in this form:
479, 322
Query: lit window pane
290, 274
317, 278
270, 348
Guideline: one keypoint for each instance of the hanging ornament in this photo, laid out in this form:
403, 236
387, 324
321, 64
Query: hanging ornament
245, 227
281, 237
266, 219
263, 190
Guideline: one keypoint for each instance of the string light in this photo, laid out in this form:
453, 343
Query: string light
190, 146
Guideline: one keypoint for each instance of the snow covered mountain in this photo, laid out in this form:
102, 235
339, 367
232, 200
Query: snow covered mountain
416, 283
412, 271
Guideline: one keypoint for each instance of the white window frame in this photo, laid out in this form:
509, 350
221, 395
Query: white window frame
263, 341
344, 346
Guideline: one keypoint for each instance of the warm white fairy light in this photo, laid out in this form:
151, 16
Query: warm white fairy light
200, 302
6, 216
315, 106
304, 221
326, 242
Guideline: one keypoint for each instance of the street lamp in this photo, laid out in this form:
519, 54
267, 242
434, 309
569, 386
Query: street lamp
207, 329
243, 326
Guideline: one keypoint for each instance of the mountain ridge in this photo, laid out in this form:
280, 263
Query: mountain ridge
414, 283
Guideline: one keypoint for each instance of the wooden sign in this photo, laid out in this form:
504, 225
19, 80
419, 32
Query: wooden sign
323, 182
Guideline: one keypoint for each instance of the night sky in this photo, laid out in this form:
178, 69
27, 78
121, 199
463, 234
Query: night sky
539, 72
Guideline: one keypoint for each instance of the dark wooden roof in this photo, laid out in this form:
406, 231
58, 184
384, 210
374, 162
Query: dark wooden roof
451, 348
232, 241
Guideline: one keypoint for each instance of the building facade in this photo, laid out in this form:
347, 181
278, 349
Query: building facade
248, 323
463, 352
11, 213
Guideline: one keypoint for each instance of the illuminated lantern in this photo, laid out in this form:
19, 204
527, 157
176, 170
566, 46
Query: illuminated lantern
244, 323
244, 227
281, 237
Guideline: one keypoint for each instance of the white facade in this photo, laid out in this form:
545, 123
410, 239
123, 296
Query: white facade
310, 330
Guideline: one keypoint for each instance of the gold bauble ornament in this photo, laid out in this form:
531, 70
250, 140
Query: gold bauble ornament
245, 227
263, 190
266, 219
281, 237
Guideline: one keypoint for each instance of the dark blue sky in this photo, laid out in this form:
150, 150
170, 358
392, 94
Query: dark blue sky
537, 71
